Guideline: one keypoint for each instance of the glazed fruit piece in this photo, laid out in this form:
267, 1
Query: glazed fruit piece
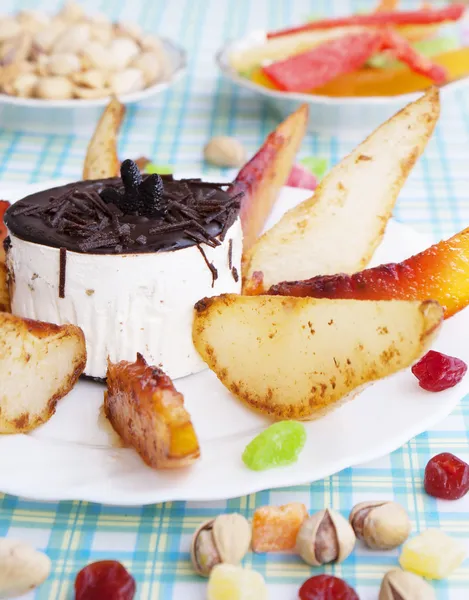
148, 413
394, 18
441, 272
272, 361
277, 446
229, 582
245, 60
4, 204
447, 477
314, 237
432, 554
301, 177
275, 528
326, 587
316, 67
262, 178
437, 372
104, 580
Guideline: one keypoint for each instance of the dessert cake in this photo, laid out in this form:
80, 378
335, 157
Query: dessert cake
126, 260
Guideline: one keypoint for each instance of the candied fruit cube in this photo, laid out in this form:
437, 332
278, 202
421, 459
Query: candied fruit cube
274, 528
230, 582
432, 554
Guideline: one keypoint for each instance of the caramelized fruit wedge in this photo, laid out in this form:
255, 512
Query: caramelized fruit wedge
439, 273
101, 159
319, 236
4, 204
5, 305
262, 178
293, 358
39, 364
148, 413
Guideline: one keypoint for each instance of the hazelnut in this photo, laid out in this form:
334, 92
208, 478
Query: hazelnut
225, 151
127, 81
402, 585
382, 525
63, 64
225, 539
325, 537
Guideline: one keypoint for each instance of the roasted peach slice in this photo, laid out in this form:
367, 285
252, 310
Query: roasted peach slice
262, 178
439, 273
148, 413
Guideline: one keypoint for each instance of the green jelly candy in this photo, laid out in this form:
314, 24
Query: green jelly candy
316, 164
152, 168
277, 446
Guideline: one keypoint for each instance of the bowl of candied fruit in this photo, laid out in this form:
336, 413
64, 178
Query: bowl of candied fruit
355, 70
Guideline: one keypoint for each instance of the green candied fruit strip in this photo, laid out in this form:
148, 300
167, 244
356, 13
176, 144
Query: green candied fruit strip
153, 168
316, 164
277, 446
428, 48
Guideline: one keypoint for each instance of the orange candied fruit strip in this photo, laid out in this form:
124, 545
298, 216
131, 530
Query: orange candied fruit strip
275, 528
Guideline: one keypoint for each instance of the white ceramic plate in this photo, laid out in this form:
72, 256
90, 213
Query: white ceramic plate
72, 456
327, 113
177, 58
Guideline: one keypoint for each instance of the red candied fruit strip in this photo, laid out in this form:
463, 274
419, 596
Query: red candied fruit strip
415, 17
447, 477
437, 372
403, 51
104, 580
316, 67
326, 587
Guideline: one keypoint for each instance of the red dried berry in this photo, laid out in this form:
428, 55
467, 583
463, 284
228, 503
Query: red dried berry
104, 580
437, 372
326, 587
447, 477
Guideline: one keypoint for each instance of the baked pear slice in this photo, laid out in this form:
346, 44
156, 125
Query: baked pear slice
338, 229
39, 364
144, 408
101, 160
293, 358
261, 178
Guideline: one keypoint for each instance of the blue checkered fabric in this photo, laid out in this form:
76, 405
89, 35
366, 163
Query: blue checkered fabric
153, 541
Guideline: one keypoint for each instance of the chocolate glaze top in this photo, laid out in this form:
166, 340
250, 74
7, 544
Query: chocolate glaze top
82, 217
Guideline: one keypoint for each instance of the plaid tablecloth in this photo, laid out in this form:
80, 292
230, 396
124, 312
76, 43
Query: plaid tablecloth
153, 541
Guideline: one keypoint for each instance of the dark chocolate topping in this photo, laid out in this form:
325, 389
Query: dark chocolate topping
136, 214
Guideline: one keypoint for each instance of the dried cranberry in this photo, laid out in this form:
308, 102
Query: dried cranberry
326, 587
104, 580
446, 476
437, 372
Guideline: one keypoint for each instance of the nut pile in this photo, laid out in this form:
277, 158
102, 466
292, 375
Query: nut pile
73, 55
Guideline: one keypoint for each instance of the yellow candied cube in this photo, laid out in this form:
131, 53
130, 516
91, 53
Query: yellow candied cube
230, 582
432, 554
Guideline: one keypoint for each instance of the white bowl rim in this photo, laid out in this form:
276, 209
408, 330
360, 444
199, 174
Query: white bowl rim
258, 36
178, 53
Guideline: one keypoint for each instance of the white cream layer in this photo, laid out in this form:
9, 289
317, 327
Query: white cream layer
125, 303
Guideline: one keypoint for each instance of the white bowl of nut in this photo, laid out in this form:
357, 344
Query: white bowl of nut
73, 60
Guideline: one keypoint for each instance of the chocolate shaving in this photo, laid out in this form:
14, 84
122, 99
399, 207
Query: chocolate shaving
230, 254
211, 267
234, 273
62, 271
